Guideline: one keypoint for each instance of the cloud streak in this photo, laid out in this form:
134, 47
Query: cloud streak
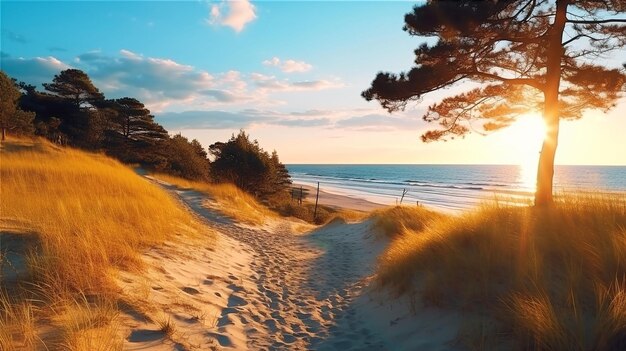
34, 70
346, 120
288, 66
164, 84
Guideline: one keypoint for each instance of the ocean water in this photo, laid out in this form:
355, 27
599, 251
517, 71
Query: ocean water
452, 187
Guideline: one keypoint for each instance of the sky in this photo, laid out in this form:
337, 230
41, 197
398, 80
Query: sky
288, 72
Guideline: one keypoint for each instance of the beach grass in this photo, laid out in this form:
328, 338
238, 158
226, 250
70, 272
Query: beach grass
85, 216
233, 201
244, 207
554, 277
393, 221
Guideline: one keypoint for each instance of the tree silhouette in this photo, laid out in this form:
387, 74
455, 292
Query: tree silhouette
186, 159
76, 86
528, 55
11, 117
8, 101
75, 99
244, 163
132, 134
135, 121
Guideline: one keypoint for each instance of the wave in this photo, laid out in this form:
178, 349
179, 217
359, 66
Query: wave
390, 182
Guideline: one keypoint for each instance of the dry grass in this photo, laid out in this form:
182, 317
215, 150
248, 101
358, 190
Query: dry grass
393, 221
555, 278
243, 207
87, 326
91, 215
233, 201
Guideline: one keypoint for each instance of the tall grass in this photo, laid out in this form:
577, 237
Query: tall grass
91, 215
244, 207
233, 201
393, 221
555, 277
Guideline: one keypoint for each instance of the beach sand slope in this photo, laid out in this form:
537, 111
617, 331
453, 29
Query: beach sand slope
269, 288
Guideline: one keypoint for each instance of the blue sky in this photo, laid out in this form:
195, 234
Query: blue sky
289, 72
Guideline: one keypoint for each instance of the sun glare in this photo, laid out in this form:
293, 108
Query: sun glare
526, 137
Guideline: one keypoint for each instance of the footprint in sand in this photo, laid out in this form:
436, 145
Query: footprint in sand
234, 301
189, 290
288, 338
223, 340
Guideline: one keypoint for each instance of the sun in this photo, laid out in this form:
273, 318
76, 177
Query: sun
526, 136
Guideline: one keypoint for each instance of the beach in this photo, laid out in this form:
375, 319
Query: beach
337, 201
275, 286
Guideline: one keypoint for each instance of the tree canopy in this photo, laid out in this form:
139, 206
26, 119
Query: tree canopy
73, 111
243, 162
75, 86
11, 117
527, 55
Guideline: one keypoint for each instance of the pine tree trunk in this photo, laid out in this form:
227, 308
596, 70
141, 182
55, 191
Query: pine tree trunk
545, 170
4, 134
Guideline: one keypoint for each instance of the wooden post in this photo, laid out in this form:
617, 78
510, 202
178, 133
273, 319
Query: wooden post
300, 200
317, 196
404, 191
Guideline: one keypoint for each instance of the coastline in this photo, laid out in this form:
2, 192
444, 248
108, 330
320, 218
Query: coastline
338, 201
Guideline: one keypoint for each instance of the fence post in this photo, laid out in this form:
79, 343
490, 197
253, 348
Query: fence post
404, 191
317, 196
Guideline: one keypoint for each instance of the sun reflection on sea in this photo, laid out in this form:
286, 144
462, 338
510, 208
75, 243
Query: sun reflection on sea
527, 135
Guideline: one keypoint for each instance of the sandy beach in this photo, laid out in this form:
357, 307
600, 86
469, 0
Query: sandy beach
336, 200
274, 287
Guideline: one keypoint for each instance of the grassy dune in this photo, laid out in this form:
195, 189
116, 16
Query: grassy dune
234, 202
243, 207
89, 215
554, 279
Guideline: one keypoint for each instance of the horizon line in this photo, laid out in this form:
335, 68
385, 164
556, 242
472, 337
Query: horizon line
441, 164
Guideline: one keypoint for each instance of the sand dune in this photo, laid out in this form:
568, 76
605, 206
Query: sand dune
265, 288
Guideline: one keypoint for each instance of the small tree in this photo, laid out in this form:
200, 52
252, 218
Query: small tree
244, 163
8, 100
186, 159
75, 86
11, 117
133, 135
527, 54
74, 98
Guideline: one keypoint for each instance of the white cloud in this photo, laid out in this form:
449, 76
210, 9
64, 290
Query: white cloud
350, 119
288, 66
235, 14
34, 70
271, 83
165, 84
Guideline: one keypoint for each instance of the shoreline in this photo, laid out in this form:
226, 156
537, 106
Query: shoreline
338, 201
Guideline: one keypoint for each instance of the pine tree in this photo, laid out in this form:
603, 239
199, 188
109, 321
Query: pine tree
528, 55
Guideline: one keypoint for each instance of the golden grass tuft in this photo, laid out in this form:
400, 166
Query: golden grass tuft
87, 326
243, 207
392, 221
91, 215
90, 212
554, 276
233, 201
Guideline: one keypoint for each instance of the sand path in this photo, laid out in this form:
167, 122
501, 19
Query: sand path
262, 288
303, 286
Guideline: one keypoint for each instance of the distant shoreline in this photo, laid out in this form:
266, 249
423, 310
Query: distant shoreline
338, 201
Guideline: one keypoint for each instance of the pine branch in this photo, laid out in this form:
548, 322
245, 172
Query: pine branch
611, 20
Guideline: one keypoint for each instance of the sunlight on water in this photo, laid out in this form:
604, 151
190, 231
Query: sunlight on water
528, 134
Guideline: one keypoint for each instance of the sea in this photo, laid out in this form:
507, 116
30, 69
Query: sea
452, 187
